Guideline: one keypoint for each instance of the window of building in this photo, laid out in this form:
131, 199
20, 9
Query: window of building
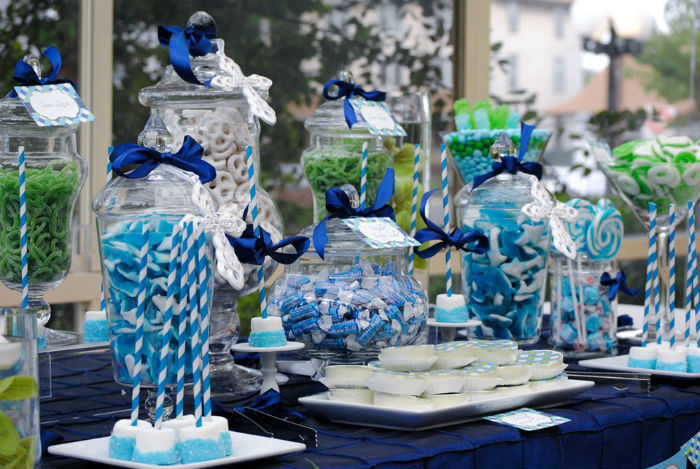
513, 72
513, 16
559, 18
559, 75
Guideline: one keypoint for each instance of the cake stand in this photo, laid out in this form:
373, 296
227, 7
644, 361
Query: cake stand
448, 330
268, 361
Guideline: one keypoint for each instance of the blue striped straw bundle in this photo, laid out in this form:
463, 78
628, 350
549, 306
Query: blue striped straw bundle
194, 324
23, 243
138, 338
672, 272
256, 226
203, 279
651, 261
182, 322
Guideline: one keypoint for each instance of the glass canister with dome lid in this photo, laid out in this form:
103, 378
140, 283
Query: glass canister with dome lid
504, 288
158, 194
351, 294
54, 176
209, 98
337, 133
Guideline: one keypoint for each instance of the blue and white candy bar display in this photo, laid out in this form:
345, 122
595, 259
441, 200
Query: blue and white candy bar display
159, 200
350, 305
504, 288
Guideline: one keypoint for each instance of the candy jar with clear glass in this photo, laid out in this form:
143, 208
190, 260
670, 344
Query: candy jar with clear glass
54, 176
223, 116
334, 154
160, 199
355, 301
505, 287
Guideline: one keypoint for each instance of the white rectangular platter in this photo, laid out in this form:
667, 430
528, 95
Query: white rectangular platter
246, 447
417, 419
619, 363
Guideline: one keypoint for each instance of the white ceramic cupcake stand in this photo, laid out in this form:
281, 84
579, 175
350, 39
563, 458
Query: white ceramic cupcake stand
268, 361
448, 330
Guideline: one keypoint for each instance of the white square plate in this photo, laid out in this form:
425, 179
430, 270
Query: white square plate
246, 447
619, 363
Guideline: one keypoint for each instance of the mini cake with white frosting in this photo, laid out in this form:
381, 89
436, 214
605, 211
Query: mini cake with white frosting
451, 355
643, 357
408, 357
95, 327
671, 359
267, 332
346, 376
123, 439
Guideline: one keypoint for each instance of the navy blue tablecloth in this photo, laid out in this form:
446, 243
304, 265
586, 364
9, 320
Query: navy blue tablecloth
609, 427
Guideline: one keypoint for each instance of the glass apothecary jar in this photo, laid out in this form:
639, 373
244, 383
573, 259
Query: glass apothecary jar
54, 176
19, 382
223, 122
505, 287
160, 200
333, 157
583, 319
350, 305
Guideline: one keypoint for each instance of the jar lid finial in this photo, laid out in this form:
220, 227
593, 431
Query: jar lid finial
201, 21
33, 61
352, 194
155, 135
503, 146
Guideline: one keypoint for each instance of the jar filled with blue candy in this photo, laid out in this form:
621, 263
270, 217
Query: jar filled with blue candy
583, 319
349, 306
505, 287
159, 200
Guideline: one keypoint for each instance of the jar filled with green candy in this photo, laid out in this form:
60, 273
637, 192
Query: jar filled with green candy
333, 157
54, 175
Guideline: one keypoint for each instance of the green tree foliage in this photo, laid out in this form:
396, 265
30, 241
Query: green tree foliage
668, 55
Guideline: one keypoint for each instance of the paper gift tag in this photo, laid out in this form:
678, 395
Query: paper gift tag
378, 117
527, 419
54, 105
380, 232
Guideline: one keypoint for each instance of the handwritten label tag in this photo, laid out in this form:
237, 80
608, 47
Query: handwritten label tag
380, 232
378, 117
527, 419
54, 105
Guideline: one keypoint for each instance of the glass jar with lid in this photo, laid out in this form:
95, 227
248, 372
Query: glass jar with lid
224, 120
505, 287
352, 303
334, 154
54, 176
160, 200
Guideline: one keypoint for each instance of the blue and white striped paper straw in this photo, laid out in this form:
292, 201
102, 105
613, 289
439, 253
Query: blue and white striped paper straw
363, 176
194, 331
182, 321
414, 204
23, 243
694, 270
655, 270
446, 212
202, 274
109, 178
651, 254
688, 297
167, 324
256, 226
672, 272
138, 339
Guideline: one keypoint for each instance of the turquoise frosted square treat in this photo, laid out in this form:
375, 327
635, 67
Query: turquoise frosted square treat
267, 332
95, 327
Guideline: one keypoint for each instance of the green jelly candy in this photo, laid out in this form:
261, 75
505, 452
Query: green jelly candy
9, 438
18, 387
626, 148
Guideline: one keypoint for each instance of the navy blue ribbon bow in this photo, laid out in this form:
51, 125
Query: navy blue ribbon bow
457, 239
617, 283
183, 43
511, 164
348, 90
338, 206
26, 76
188, 157
251, 249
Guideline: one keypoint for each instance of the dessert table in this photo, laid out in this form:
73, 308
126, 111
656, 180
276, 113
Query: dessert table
611, 426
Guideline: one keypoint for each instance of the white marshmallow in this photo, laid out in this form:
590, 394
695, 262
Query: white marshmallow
268, 324
124, 429
208, 431
672, 355
219, 422
150, 440
644, 353
95, 316
449, 302
179, 423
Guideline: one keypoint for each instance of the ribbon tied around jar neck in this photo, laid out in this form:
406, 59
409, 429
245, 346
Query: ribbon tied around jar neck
617, 283
188, 158
469, 241
183, 43
347, 90
511, 164
338, 205
25, 75
546, 206
252, 249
